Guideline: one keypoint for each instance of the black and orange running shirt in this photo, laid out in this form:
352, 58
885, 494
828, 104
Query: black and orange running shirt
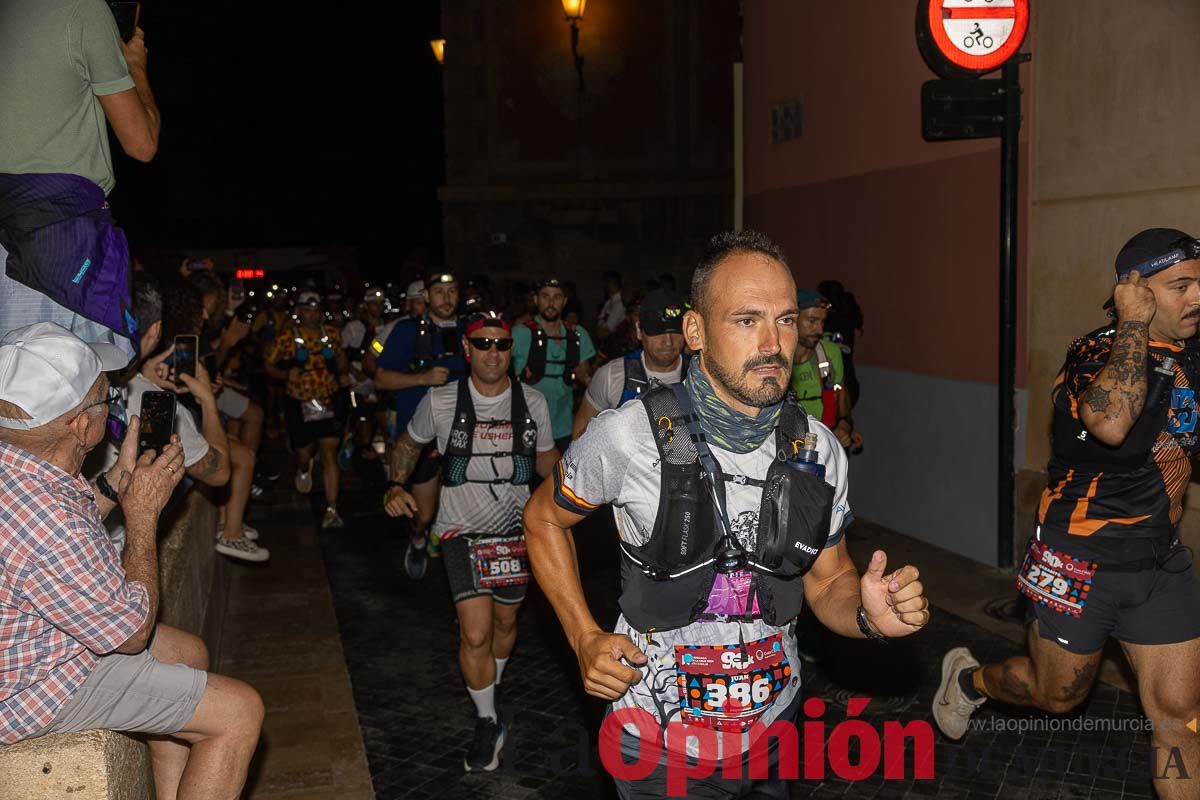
1136, 489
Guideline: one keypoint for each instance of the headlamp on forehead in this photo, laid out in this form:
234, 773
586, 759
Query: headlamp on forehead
550, 283
444, 277
1182, 249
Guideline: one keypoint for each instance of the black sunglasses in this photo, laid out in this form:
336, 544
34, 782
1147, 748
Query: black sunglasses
485, 343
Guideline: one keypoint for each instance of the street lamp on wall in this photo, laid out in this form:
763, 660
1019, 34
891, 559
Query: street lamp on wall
574, 11
438, 46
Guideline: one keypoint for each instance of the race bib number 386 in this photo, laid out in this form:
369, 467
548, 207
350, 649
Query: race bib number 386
1055, 579
728, 687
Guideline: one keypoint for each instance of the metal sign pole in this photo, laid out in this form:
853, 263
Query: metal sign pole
1009, 144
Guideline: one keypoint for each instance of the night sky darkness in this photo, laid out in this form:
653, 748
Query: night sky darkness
290, 124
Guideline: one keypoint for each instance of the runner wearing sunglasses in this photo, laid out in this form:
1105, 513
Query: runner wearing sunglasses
492, 440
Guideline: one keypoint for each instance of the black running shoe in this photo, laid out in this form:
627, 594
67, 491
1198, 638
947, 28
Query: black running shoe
484, 754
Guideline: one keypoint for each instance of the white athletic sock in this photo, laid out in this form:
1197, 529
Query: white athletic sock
500, 662
484, 700
418, 544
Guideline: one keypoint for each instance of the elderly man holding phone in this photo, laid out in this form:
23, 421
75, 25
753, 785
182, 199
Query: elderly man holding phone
79, 646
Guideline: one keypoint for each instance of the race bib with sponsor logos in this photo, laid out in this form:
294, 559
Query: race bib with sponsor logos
1055, 579
728, 687
500, 562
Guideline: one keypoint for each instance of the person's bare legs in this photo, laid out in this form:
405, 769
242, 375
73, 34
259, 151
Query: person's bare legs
241, 463
504, 629
1168, 679
252, 426
426, 495
223, 734
475, 641
304, 458
169, 756
1049, 678
328, 448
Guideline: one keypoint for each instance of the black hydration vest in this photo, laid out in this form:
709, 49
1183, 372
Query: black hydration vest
636, 379
433, 343
665, 583
535, 365
462, 438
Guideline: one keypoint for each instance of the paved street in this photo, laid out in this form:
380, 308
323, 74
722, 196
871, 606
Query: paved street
400, 640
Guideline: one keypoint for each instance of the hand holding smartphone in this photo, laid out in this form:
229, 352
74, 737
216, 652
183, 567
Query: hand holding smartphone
157, 421
185, 356
127, 15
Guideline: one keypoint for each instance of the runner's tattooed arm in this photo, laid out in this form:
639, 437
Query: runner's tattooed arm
1113, 401
404, 457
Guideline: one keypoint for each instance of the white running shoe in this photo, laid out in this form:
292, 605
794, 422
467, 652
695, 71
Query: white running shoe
244, 549
331, 520
304, 479
952, 709
248, 531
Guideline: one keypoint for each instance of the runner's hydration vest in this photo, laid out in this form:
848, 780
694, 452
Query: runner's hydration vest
636, 379
431, 344
462, 437
829, 388
302, 353
535, 365
665, 583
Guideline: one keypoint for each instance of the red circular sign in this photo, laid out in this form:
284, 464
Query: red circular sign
977, 35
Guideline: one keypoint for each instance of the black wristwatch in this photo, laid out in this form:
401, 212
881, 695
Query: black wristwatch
106, 488
875, 636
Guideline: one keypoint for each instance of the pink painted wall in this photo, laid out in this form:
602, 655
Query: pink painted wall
911, 227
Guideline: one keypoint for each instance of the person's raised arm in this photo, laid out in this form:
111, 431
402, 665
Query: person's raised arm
143, 492
213, 469
133, 114
1113, 401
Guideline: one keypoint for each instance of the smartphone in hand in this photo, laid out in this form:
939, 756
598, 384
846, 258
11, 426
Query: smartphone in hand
184, 357
126, 15
157, 421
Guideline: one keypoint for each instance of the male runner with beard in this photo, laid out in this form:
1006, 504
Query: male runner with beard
419, 353
715, 567
554, 357
1104, 560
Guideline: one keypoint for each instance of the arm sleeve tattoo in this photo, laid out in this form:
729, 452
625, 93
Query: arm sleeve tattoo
1119, 391
404, 457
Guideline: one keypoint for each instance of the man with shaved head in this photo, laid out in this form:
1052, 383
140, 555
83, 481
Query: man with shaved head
715, 567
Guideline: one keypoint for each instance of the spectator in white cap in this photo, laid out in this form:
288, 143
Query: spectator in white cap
79, 647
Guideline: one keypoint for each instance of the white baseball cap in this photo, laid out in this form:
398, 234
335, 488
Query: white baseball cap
46, 371
414, 290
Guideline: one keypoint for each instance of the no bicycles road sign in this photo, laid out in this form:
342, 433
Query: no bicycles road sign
968, 38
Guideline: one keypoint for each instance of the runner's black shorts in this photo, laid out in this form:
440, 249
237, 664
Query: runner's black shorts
464, 580
362, 409
302, 434
1156, 605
